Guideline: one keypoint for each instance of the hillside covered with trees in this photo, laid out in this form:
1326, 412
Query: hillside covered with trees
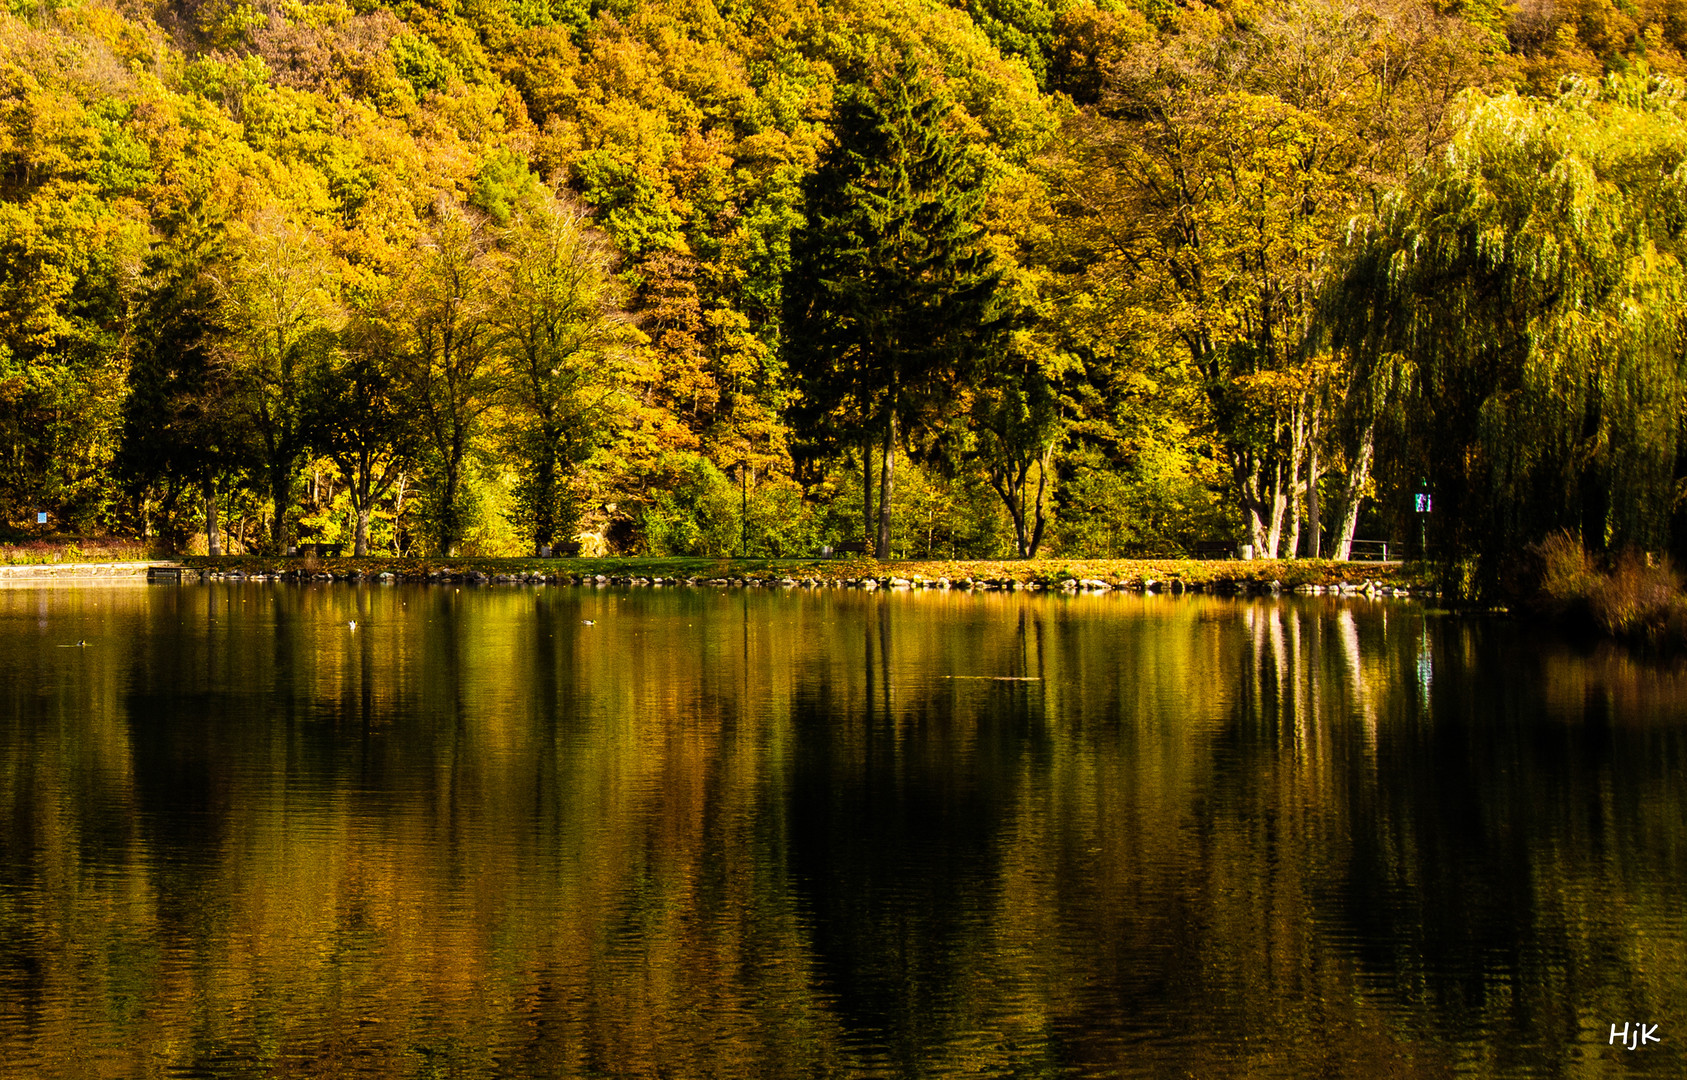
1003, 277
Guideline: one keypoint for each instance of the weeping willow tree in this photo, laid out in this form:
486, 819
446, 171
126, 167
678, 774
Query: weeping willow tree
1515, 321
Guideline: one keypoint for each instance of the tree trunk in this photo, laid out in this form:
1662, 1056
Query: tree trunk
1014, 496
170, 530
450, 532
867, 518
544, 509
1009, 484
360, 539
1297, 457
1291, 545
1256, 528
1261, 524
886, 480
1041, 517
213, 538
1358, 473
1279, 504
400, 535
1314, 525
278, 499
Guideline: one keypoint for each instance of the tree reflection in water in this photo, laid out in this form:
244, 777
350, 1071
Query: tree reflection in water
791, 834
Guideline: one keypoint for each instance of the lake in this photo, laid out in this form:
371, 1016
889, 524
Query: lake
590, 832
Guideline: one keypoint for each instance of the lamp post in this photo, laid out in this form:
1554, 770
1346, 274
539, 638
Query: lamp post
1423, 504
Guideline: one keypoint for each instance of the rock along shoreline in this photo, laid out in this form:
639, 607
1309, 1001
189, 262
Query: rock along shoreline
1159, 577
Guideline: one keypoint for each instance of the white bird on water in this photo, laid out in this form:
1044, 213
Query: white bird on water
588, 622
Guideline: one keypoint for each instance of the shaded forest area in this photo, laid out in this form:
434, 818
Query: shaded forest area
995, 278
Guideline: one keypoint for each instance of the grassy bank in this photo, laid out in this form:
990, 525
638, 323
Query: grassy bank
1118, 573
50, 552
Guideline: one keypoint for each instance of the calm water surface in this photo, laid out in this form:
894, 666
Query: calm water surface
765, 834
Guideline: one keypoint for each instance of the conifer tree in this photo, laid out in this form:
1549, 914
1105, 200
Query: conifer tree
891, 290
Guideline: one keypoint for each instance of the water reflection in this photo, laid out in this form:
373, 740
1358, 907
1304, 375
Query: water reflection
595, 832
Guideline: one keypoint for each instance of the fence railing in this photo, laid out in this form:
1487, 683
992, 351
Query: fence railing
1370, 551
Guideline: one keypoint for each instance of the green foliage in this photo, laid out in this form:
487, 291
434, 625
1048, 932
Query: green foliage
697, 511
933, 515
1207, 195
629, 203
179, 430
487, 513
275, 296
420, 63
444, 342
1018, 28
703, 511
223, 80
1159, 504
564, 339
529, 14
818, 217
124, 167
504, 180
359, 422
780, 523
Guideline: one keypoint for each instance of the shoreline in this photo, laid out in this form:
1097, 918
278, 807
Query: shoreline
1174, 576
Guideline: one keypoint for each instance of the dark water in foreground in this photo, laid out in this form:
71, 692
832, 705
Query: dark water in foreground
794, 834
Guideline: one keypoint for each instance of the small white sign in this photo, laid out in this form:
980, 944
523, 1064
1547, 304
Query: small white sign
41, 518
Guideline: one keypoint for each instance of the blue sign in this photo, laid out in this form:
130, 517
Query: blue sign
41, 518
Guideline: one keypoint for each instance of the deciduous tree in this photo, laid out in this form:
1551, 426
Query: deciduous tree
561, 330
1517, 316
279, 311
1214, 181
448, 360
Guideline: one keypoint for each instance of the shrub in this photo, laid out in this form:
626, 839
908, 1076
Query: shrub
1635, 598
1563, 576
696, 512
780, 524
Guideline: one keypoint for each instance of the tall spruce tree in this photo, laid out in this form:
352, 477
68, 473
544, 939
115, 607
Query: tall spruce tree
891, 290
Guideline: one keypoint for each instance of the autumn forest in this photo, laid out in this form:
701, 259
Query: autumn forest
990, 278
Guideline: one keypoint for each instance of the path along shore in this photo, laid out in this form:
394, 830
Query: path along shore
72, 571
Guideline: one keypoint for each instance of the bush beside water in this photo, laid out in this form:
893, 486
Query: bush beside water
1632, 597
